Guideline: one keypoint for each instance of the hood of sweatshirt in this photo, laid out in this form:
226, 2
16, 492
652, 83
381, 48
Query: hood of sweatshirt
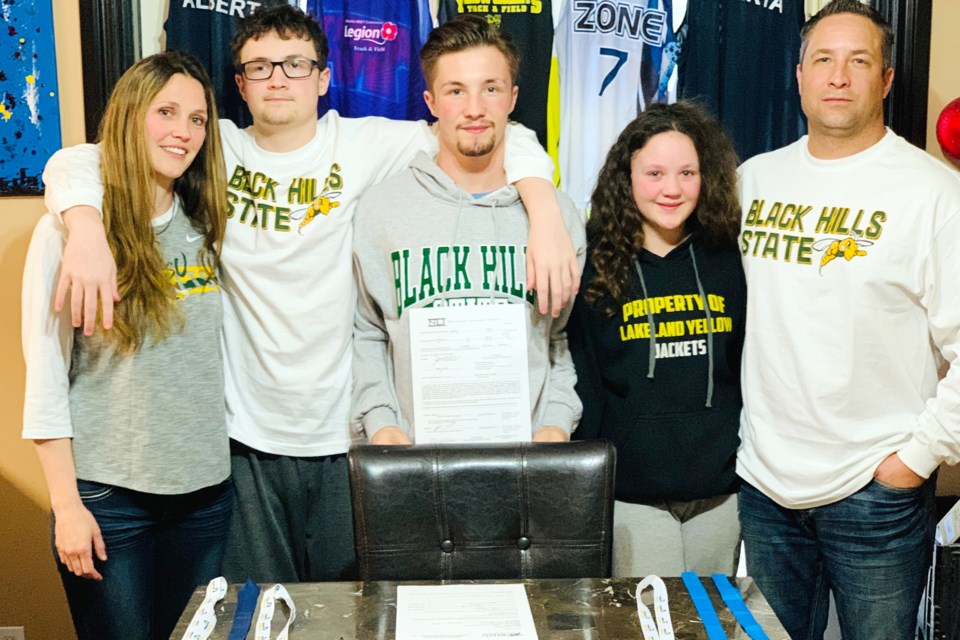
441, 186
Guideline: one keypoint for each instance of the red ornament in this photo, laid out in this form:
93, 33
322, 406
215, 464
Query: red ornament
948, 131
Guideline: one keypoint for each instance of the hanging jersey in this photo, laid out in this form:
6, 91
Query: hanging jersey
375, 56
659, 61
529, 23
604, 82
204, 29
751, 85
553, 118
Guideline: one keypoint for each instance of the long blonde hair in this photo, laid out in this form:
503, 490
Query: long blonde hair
147, 295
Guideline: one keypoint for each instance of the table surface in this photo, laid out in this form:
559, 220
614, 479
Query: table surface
585, 609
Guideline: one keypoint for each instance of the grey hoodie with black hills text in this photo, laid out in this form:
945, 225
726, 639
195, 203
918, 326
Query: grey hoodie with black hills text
422, 241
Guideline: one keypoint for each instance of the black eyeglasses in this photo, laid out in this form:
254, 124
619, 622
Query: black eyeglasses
292, 68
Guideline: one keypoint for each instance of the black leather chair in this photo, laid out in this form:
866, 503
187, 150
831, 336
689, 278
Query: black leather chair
458, 512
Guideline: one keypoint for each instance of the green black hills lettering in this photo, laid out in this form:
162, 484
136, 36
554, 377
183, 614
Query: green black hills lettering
254, 195
446, 269
778, 231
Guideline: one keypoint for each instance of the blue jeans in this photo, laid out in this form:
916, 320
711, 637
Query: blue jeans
872, 549
159, 549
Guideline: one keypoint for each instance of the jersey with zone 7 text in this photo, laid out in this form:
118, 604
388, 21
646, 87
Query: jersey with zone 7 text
600, 49
289, 293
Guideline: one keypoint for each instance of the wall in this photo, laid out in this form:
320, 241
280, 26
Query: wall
30, 592
944, 87
944, 77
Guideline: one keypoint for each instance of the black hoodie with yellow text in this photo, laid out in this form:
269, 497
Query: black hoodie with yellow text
660, 377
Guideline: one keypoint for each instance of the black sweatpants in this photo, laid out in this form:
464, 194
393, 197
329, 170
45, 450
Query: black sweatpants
292, 520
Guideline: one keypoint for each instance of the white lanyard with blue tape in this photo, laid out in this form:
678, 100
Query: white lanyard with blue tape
205, 619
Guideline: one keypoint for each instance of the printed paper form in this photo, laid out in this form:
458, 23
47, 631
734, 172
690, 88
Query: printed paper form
471, 379
464, 612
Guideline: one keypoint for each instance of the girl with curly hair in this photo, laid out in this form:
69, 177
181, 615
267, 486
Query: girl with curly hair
656, 336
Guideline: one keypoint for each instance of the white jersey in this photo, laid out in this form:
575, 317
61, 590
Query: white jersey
604, 80
286, 270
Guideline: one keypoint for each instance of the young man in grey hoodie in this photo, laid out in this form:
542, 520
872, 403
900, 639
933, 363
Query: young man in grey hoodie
457, 213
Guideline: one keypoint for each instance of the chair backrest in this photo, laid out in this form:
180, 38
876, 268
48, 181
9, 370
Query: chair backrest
459, 512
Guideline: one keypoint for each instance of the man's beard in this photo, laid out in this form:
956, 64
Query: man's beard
277, 118
477, 148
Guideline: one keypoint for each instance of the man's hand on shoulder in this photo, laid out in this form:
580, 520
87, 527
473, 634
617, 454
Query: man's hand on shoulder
892, 472
390, 435
551, 434
87, 270
552, 267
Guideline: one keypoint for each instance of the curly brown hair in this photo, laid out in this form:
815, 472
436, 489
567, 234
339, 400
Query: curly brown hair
615, 230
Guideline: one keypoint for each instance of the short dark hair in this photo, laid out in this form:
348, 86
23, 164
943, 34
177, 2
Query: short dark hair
466, 31
288, 22
856, 8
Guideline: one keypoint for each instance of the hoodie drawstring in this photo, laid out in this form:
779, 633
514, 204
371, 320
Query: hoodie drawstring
496, 243
456, 232
651, 366
706, 307
653, 331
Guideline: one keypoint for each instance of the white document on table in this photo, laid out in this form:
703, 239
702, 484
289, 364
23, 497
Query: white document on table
471, 379
464, 612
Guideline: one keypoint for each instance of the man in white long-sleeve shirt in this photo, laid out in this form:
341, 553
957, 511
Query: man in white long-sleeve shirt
849, 243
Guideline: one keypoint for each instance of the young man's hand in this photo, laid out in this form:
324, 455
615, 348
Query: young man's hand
390, 435
550, 434
552, 268
87, 270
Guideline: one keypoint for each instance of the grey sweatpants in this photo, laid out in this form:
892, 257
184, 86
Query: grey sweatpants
292, 521
669, 538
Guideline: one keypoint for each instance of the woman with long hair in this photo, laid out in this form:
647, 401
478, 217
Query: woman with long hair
129, 422
656, 336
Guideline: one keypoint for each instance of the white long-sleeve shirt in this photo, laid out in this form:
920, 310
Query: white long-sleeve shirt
853, 274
